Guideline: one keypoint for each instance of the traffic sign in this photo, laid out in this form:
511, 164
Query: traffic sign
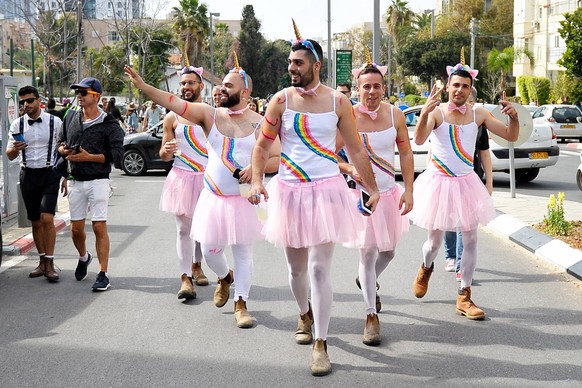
343, 68
402, 94
427, 93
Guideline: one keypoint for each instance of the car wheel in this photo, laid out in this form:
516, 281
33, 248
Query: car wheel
579, 179
526, 174
134, 163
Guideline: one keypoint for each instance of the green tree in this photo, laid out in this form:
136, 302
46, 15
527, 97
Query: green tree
151, 45
571, 32
108, 62
191, 23
503, 62
223, 45
251, 45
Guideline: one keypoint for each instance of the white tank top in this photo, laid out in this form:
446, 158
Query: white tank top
453, 147
308, 145
225, 155
193, 155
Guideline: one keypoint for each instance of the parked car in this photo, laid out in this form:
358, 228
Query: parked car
539, 151
142, 152
565, 120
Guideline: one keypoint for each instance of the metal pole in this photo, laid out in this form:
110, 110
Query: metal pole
473, 27
330, 80
376, 37
11, 57
212, 14
431, 37
32, 63
79, 39
389, 65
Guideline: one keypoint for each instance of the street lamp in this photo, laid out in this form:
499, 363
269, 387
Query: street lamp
212, 14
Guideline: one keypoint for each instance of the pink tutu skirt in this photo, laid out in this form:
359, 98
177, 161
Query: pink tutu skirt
311, 213
225, 220
451, 203
181, 191
385, 227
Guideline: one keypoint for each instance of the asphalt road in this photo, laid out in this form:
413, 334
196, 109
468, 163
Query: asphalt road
138, 334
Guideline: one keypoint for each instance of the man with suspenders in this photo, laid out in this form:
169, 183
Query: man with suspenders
33, 138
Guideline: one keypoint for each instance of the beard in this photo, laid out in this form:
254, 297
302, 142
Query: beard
195, 94
304, 79
231, 101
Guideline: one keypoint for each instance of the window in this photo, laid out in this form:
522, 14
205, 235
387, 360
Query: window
113, 36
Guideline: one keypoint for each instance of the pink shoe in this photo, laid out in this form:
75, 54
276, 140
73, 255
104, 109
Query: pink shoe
450, 265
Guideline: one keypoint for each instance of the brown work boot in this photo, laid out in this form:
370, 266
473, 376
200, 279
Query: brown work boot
372, 330
320, 364
198, 275
244, 320
466, 307
420, 285
40, 268
187, 290
304, 332
223, 289
50, 273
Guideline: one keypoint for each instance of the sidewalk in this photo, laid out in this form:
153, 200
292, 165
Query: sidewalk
514, 220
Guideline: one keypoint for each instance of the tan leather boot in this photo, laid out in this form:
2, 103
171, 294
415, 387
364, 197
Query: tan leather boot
320, 364
50, 273
223, 290
40, 269
372, 330
304, 332
243, 319
187, 289
420, 285
466, 307
198, 275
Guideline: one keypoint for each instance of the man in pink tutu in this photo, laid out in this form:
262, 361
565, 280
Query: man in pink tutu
185, 180
449, 195
310, 207
223, 217
381, 127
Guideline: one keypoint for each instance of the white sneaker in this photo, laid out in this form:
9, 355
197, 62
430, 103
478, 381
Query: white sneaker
450, 265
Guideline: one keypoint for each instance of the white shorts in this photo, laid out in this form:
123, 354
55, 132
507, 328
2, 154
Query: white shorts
94, 194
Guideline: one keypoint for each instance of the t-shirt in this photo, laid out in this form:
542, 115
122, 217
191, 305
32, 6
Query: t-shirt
154, 116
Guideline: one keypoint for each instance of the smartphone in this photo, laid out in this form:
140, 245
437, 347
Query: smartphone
364, 198
19, 137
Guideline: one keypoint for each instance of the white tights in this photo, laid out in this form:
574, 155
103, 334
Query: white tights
372, 264
188, 250
243, 265
312, 266
468, 260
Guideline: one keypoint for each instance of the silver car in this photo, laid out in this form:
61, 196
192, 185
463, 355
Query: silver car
564, 120
539, 151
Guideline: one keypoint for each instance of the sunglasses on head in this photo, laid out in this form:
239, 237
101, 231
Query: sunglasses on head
28, 100
84, 92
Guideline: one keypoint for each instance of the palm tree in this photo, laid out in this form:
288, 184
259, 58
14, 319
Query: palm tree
191, 23
399, 21
503, 61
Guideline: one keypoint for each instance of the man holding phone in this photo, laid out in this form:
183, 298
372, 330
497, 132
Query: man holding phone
33, 139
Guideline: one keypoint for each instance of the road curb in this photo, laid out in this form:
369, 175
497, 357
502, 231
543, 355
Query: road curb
24, 244
543, 246
577, 146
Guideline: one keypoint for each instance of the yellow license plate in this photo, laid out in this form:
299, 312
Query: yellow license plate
567, 126
538, 155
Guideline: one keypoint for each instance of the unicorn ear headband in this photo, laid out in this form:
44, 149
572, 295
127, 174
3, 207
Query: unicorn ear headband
190, 69
369, 63
304, 42
239, 70
462, 66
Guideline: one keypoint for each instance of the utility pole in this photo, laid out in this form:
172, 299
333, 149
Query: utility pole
330, 80
377, 33
473, 28
212, 14
79, 40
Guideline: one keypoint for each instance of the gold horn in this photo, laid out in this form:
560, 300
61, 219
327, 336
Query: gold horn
297, 34
236, 65
463, 55
368, 56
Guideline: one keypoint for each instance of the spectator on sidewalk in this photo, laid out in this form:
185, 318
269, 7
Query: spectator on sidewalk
33, 139
152, 116
90, 140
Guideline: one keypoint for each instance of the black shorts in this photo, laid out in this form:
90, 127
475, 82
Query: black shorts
40, 191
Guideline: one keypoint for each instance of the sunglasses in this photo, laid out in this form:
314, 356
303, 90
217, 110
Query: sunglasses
28, 100
189, 83
84, 92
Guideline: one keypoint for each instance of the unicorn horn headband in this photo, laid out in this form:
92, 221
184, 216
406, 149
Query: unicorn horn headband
462, 66
369, 64
190, 69
239, 70
304, 42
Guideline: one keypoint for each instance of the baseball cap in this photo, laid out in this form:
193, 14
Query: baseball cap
89, 83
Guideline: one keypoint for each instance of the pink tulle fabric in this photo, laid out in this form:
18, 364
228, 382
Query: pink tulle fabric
180, 192
312, 213
385, 227
225, 220
451, 203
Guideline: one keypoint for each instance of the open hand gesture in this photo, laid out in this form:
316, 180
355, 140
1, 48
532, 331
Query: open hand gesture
135, 78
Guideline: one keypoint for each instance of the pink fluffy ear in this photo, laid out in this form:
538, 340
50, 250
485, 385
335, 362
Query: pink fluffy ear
450, 70
383, 70
356, 72
199, 70
474, 73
